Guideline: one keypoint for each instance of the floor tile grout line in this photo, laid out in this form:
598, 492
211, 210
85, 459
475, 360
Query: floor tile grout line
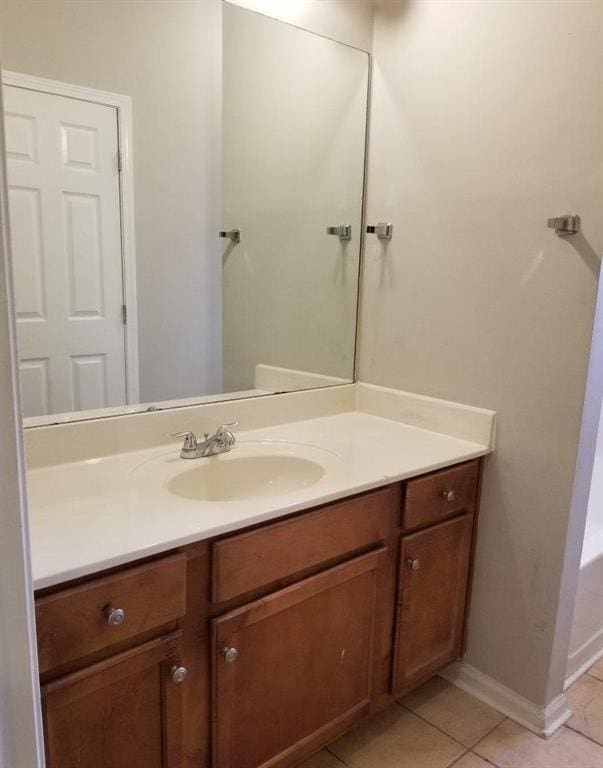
575, 730
488, 733
580, 733
343, 762
472, 749
485, 759
407, 709
481, 738
571, 727
457, 759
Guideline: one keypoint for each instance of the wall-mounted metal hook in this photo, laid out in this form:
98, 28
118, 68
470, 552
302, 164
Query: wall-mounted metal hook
342, 231
231, 234
565, 225
383, 230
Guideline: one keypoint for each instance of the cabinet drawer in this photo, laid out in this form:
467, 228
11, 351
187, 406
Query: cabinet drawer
440, 495
256, 558
74, 622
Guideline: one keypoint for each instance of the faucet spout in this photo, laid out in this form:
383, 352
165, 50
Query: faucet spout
221, 441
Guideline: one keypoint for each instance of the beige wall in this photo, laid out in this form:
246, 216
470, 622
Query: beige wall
293, 163
167, 57
348, 21
486, 119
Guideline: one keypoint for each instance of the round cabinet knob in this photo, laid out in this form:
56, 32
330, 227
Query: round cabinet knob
414, 565
115, 616
178, 674
230, 655
448, 495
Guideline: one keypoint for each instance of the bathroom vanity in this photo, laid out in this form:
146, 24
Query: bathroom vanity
238, 610
258, 647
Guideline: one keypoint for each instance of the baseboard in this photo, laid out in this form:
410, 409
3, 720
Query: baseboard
543, 721
583, 659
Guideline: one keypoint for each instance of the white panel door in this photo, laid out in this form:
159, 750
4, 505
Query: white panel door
63, 180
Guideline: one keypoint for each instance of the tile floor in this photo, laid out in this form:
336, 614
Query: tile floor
440, 726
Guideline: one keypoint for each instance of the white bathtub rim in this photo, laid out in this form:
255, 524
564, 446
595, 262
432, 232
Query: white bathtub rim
592, 549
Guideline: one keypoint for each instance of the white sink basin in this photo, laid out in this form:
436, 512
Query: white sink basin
253, 469
245, 478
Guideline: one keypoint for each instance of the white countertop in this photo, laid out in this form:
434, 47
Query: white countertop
94, 514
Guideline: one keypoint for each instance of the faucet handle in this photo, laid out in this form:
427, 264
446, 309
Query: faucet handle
225, 435
190, 440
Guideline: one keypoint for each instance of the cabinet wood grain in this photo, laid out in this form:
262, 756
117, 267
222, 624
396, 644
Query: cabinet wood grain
440, 495
333, 613
72, 623
124, 712
244, 562
433, 582
304, 667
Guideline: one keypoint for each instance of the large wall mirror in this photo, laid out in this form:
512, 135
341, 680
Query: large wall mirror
185, 198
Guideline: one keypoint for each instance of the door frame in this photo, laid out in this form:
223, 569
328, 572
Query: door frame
21, 736
123, 107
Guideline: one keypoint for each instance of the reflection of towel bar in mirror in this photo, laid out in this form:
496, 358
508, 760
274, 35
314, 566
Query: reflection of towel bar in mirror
383, 230
342, 231
278, 206
231, 234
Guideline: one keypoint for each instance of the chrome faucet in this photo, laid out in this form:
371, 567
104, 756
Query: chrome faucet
220, 442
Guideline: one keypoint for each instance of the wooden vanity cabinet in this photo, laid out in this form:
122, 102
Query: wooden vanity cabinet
292, 632
95, 616
302, 648
294, 669
123, 712
433, 581
434, 575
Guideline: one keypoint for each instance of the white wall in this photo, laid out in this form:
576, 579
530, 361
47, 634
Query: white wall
348, 21
21, 742
167, 56
585, 552
293, 163
486, 119
594, 518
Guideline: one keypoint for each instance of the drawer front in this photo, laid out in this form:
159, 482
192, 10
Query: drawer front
250, 560
75, 622
440, 495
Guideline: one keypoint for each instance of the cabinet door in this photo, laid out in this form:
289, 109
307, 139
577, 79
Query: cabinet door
294, 669
434, 570
124, 712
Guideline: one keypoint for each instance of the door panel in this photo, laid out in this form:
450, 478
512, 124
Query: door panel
304, 667
27, 237
35, 384
125, 712
82, 215
66, 242
434, 569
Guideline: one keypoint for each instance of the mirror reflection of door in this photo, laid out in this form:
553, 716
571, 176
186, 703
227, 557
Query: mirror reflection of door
241, 122
64, 204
